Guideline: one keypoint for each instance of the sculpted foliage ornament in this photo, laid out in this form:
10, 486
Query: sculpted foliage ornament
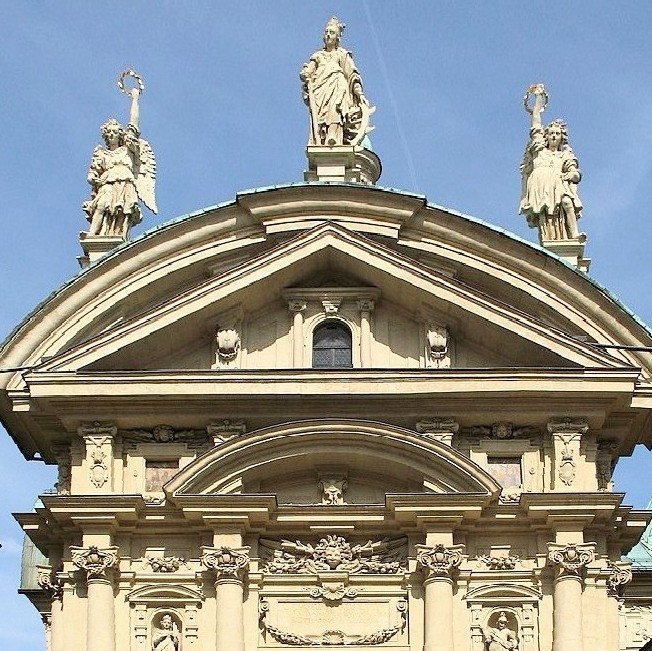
95, 561
165, 564
571, 558
439, 560
121, 173
499, 562
226, 561
335, 553
335, 592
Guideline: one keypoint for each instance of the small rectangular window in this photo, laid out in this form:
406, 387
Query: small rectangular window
158, 472
506, 470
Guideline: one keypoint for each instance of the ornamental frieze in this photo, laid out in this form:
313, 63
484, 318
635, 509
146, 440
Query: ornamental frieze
334, 553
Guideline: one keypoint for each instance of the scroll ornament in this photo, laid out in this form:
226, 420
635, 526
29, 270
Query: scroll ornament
48, 582
571, 559
226, 561
439, 560
94, 561
619, 575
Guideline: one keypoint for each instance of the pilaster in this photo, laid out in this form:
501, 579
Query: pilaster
566, 436
99, 456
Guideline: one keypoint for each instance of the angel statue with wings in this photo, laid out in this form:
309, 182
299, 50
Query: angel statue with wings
121, 173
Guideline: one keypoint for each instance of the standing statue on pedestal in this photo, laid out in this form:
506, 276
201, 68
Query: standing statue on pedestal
121, 173
166, 636
500, 637
550, 173
332, 89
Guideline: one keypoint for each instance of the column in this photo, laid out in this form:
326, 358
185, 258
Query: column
297, 308
569, 562
566, 438
98, 461
51, 585
365, 306
439, 563
97, 564
230, 565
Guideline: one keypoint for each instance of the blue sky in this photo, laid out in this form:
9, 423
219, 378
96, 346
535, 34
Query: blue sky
223, 112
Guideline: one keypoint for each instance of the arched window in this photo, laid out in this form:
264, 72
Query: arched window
331, 345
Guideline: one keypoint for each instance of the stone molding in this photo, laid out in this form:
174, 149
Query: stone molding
439, 429
570, 559
95, 561
224, 431
440, 561
226, 562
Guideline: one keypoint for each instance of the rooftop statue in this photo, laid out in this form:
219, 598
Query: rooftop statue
121, 172
332, 89
550, 173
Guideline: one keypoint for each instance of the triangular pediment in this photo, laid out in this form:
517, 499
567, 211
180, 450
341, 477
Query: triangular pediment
179, 332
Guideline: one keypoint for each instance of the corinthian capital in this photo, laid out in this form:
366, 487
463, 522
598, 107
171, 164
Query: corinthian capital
226, 562
439, 560
95, 561
570, 559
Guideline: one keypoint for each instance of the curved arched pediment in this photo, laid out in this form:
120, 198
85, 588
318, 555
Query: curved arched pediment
503, 592
164, 594
373, 458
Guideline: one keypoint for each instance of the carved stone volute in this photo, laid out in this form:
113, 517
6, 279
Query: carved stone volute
570, 559
94, 561
227, 563
439, 561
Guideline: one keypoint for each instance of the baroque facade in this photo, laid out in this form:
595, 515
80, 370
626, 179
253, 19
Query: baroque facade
330, 414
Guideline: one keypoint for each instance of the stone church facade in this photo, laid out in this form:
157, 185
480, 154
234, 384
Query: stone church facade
332, 414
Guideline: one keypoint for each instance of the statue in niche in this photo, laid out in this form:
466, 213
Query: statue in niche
121, 172
550, 173
500, 637
332, 89
165, 637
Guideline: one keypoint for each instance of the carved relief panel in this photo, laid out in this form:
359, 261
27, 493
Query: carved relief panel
333, 592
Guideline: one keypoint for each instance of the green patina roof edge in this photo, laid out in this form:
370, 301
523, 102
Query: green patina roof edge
308, 184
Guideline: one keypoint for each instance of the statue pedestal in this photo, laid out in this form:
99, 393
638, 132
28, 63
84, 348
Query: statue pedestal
342, 163
96, 246
572, 251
